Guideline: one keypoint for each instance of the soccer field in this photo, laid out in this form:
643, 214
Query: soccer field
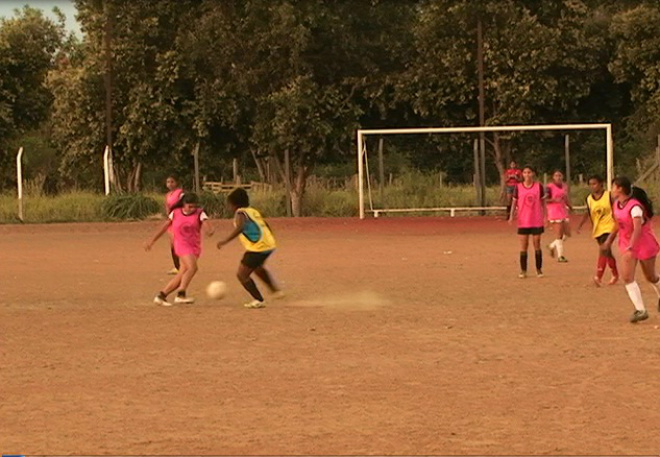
397, 336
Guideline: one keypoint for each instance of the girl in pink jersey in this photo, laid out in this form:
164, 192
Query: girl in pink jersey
528, 204
186, 223
557, 205
637, 242
172, 201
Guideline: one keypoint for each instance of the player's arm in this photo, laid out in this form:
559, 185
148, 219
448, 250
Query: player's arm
585, 217
610, 239
239, 221
157, 235
637, 216
205, 222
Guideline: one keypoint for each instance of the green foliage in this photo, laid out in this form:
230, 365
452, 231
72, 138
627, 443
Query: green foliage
129, 207
66, 207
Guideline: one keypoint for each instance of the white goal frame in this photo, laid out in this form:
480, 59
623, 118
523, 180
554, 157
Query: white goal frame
361, 152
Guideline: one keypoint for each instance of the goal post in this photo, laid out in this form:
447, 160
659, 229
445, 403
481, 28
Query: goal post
363, 133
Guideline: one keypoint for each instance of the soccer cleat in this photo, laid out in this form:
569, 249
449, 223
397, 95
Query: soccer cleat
539, 273
597, 281
562, 259
161, 301
638, 316
184, 300
277, 295
613, 280
522, 274
173, 271
551, 251
255, 304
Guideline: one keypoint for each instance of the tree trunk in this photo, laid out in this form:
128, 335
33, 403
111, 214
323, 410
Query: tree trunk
259, 162
298, 190
499, 155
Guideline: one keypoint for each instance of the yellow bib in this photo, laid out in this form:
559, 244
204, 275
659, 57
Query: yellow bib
256, 235
601, 215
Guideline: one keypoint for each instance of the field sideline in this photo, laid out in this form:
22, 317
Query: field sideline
398, 336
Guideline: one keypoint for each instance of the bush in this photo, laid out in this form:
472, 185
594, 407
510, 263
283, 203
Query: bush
129, 206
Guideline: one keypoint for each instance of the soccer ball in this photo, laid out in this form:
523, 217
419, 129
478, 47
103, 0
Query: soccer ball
216, 290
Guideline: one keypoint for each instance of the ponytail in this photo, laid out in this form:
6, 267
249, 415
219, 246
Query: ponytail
641, 196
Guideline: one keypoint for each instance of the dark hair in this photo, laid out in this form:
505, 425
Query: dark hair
531, 168
597, 178
239, 198
637, 193
173, 177
191, 199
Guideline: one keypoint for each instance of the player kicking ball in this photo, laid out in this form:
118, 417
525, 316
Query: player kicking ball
259, 243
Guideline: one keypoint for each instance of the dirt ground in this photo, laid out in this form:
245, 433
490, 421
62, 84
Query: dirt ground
398, 336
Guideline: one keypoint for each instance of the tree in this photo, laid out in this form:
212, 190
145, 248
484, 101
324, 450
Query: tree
540, 61
29, 43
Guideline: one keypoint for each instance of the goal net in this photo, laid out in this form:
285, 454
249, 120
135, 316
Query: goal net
468, 164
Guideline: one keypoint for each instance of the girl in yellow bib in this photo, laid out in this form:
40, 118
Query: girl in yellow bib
599, 210
259, 243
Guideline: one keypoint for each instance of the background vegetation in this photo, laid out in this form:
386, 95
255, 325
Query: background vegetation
255, 80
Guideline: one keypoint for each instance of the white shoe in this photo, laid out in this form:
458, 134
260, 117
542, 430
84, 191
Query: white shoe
184, 300
279, 295
173, 272
255, 304
161, 302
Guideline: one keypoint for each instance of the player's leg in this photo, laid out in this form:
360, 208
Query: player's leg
567, 228
175, 258
648, 267
601, 263
189, 269
538, 254
251, 260
509, 198
524, 245
628, 265
559, 241
171, 286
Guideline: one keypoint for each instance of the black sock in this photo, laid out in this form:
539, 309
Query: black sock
175, 259
181, 293
523, 260
251, 287
162, 295
265, 276
508, 211
539, 259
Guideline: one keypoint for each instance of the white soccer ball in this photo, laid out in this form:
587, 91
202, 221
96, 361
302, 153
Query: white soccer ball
216, 290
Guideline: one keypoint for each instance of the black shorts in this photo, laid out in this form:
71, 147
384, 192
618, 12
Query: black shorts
602, 238
255, 259
530, 230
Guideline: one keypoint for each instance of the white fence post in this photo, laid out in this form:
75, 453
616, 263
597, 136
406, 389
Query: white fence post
106, 169
19, 181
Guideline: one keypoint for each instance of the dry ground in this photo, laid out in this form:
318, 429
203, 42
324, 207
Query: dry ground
398, 336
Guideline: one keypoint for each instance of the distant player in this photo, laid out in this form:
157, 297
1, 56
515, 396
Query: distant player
528, 204
172, 201
637, 242
259, 244
187, 224
599, 210
512, 176
558, 205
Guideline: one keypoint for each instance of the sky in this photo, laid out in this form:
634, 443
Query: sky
7, 8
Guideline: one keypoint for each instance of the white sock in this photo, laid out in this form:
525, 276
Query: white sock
656, 287
635, 295
553, 244
560, 248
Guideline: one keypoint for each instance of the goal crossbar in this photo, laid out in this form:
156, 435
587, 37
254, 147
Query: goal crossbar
361, 153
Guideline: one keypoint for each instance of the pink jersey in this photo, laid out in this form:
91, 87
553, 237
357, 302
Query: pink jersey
557, 211
187, 230
647, 246
172, 198
529, 203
